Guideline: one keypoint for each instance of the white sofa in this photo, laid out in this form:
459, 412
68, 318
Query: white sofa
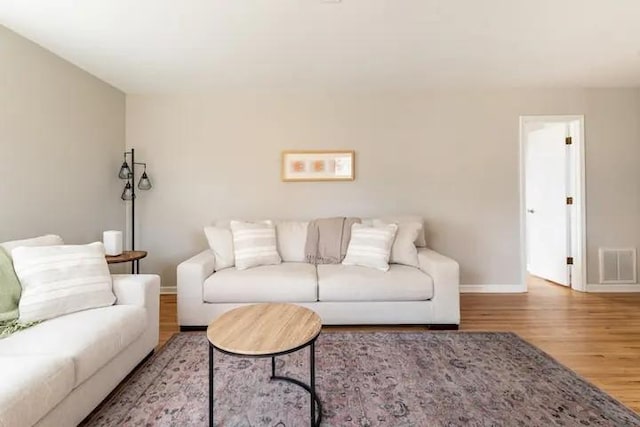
340, 294
56, 372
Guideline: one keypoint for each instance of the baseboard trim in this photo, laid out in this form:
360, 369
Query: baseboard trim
611, 288
168, 290
493, 289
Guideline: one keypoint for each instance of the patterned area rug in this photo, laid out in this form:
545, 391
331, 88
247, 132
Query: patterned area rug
367, 379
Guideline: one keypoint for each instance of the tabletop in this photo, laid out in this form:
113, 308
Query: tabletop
264, 329
126, 256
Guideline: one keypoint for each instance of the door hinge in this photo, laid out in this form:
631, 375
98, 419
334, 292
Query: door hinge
569, 200
569, 260
568, 140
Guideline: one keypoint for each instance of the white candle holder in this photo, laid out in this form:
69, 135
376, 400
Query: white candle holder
112, 240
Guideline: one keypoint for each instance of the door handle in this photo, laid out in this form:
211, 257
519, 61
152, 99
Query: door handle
531, 211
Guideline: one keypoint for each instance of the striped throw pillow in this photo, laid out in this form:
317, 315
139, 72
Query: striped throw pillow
254, 244
370, 246
59, 280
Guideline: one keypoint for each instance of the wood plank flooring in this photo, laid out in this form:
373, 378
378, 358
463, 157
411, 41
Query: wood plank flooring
596, 335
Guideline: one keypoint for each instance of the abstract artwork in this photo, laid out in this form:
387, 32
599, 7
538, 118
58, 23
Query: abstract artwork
334, 165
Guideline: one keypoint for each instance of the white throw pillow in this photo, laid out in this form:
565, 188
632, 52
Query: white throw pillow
254, 244
401, 219
403, 250
46, 240
370, 246
221, 243
291, 237
59, 280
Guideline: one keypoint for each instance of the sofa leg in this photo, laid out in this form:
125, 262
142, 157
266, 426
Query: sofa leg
148, 356
192, 328
444, 327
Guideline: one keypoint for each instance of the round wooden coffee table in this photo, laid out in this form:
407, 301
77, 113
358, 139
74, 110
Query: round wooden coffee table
267, 330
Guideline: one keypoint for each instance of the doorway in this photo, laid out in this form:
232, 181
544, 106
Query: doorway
552, 199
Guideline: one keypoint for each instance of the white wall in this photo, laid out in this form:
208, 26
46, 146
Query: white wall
61, 142
451, 156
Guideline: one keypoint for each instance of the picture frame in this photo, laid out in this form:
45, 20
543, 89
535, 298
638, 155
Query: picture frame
321, 165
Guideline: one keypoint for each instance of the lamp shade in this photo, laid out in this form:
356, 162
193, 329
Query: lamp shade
145, 183
127, 193
125, 171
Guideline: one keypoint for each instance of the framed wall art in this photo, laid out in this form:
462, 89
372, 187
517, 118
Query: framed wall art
330, 165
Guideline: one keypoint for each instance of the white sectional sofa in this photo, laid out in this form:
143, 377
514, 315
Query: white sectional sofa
340, 294
56, 372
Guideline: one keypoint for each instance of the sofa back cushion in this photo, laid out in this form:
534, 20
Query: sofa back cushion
404, 250
46, 240
59, 280
292, 236
221, 243
420, 241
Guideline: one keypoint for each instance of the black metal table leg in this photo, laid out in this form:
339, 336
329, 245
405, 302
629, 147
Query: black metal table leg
315, 403
210, 385
312, 385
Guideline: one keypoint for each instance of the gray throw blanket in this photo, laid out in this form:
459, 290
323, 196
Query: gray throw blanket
328, 240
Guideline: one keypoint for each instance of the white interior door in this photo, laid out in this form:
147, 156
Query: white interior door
547, 228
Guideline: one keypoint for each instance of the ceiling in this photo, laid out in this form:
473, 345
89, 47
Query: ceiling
162, 46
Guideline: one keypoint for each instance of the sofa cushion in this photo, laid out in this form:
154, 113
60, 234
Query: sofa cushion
338, 282
370, 246
46, 240
91, 338
254, 244
286, 282
221, 243
404, 249
292, 236
31, 386
63, 279
400, 219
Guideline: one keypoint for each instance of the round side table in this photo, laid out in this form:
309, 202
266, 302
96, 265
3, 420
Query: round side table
133, 257
267, 330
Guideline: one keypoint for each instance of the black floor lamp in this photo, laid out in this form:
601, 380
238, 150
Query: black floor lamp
129, 192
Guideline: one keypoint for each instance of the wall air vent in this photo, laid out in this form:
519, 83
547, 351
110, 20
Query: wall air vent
617, 265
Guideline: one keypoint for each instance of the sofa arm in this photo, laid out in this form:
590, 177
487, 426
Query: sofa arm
445, 273
191, 276
192, 273
137, 289
142, 290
